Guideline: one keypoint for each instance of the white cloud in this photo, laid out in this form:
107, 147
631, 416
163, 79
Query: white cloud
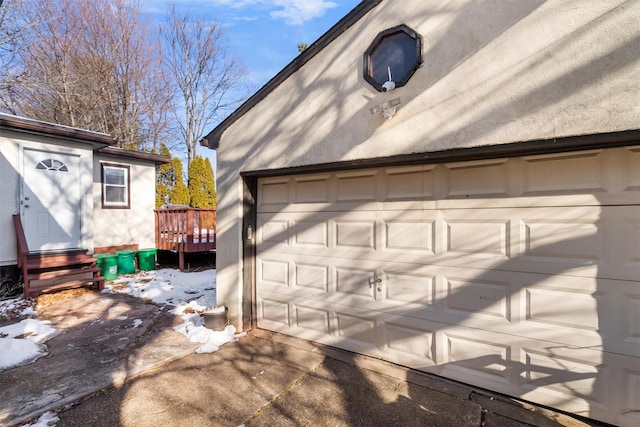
296, 12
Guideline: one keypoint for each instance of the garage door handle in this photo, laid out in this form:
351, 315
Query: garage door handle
376, 281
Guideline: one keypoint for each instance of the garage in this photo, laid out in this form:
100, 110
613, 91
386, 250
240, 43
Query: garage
519, 274
453, 187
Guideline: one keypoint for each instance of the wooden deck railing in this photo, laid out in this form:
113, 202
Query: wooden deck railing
185, 230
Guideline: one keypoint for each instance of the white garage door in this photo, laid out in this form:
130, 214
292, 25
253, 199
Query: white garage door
519, 275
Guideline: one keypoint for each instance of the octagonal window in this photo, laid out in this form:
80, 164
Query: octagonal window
396, 52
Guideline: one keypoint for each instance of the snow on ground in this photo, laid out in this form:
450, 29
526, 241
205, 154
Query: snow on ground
190, 294
22, 342
167, 286
48, 419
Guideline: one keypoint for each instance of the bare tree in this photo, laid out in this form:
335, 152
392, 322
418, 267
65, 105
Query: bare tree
204, 75
14, 28
94, 64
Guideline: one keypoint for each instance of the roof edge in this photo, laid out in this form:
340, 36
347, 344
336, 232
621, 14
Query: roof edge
26, 125
212, 139
138, 155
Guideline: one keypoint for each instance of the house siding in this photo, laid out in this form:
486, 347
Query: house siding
135, 225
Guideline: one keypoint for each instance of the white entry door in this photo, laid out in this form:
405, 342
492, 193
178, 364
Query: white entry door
50, 200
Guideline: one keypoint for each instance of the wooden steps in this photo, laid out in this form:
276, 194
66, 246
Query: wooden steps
45, 260
59, 275
49, 271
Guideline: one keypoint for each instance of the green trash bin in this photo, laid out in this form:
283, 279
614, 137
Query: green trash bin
108, 264
147, 259
126, 261
100, 259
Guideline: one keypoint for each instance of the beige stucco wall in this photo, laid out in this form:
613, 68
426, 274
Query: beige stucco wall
114, 227
494, 72
11, 145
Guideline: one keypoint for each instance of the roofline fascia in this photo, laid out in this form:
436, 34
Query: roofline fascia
212, 139
35, 127
138, 155
565, 144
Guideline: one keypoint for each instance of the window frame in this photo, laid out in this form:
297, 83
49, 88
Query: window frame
401, 80
127, 186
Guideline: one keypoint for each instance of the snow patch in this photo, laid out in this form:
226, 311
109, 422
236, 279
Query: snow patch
22, 342
47, 419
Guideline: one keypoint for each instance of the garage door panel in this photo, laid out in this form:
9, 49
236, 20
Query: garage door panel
357, 186
274, 231
569, 235
274, 193
565, 172
311, 189
355, 282
311, 234
404, 236
312, 276
630, 238
273, 313
631, 388
407, 235
273, 272
556, 307
480, 238
410, 288
312, 319
479, 298
466, 356
479, 178
409, 183
566, 372
631, 319
353, 233
409, 342
356, 328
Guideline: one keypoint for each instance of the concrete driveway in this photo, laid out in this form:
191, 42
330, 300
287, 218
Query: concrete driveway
101, 371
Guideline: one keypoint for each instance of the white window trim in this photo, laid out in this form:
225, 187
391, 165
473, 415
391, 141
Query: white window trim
126, 204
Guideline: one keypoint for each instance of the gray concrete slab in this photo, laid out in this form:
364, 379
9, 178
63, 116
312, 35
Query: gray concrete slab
103, 372
97, 345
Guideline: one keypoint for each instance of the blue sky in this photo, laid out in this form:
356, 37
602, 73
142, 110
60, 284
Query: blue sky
264, 34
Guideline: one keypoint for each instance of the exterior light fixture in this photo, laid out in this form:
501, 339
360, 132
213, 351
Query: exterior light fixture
387, 109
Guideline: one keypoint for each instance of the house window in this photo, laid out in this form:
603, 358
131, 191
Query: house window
52, 165
115, 186
394, 55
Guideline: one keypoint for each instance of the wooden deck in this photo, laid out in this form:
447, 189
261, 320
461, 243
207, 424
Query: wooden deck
185, 230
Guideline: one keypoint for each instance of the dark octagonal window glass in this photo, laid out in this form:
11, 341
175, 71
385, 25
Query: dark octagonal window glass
399, 50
